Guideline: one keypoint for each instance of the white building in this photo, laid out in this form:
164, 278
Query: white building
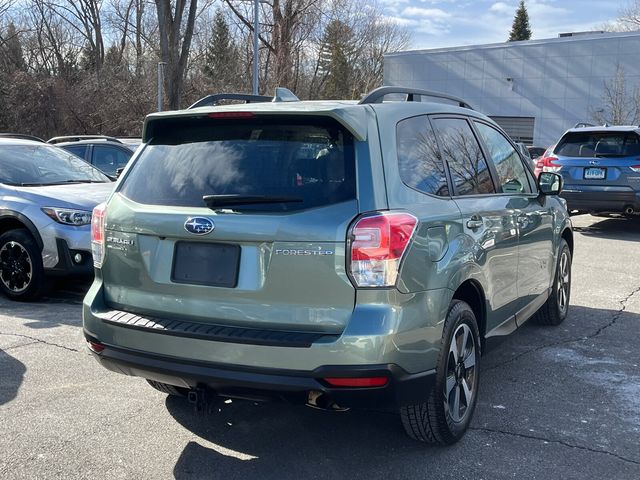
534, 89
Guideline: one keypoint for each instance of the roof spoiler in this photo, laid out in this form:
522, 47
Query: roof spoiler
281, 95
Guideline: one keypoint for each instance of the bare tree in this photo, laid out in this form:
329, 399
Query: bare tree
619, 105
175, 42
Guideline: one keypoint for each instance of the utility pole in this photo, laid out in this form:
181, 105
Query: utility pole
161, 66
256, 53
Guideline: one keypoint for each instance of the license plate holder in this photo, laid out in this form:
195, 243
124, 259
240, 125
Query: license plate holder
595, 173
211, 264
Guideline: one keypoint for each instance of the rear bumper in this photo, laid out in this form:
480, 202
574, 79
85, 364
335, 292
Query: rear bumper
600, 199
266, 383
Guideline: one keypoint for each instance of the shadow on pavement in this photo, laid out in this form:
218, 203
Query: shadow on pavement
11, 376
60, 306
613, 229
277, 441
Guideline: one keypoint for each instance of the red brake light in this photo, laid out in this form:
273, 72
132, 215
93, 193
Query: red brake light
97, 234
231, 115
378, 243
358, 382
548, 161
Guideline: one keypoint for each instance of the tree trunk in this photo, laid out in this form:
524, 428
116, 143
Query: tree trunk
174, 47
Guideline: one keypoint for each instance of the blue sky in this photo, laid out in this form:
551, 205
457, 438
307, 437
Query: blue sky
449, 23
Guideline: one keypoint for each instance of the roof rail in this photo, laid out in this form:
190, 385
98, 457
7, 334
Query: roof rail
281, 95
377, 95
583, 124
21, 136
75, 138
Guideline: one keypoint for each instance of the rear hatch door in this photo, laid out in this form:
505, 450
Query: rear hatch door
236, 221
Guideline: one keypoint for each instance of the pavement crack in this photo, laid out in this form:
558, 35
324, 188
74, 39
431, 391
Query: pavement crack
559, 442
38, 340
614, 318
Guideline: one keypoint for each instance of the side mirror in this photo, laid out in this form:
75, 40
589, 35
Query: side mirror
119, 172
550, 183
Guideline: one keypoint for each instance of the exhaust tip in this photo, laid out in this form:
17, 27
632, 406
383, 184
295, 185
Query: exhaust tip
322, 401
629, 210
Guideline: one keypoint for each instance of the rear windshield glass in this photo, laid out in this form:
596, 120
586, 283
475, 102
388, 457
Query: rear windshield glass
35, 165
599, 144
307, 160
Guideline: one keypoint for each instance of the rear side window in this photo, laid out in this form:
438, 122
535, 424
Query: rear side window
108, 159
599, 144
460, 149
307, 159
77, 150
419, 160
511, 173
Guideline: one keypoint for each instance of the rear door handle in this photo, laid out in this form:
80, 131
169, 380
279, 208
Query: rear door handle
475, 222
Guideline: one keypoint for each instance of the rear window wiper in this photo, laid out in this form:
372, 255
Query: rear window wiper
233, 199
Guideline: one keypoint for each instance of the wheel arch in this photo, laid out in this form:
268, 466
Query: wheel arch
567, 235
471, 292
10, 220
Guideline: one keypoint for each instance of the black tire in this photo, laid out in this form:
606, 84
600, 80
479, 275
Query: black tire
168, 389
21, 271
434, 421
556, 308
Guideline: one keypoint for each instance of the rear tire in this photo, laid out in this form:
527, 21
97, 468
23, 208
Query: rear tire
556, 308
168, 389
445, 414
21, 270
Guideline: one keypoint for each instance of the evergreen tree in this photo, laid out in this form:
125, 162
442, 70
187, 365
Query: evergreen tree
335, 60
520, 30
11, 58
221, 56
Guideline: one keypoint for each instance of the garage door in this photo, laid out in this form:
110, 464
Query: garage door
520, 129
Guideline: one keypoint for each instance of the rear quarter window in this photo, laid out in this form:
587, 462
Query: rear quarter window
306, 158
419, 159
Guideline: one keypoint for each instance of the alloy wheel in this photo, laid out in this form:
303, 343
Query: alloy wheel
16, 269
563, 283
460, 382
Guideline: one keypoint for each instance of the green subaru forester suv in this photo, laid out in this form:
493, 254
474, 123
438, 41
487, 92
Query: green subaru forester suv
336, 254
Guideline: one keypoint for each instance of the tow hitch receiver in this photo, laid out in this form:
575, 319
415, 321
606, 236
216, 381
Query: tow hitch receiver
201, 399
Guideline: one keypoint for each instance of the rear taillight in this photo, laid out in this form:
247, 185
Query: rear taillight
97, 234
548, 164
378, 243
635, 168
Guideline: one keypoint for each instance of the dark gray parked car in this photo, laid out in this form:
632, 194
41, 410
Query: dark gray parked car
107, 154
337, 254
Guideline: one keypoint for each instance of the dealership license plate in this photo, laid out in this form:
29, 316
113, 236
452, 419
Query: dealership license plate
213, 264
595, 173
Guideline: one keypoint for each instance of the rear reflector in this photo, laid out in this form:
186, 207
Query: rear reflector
95, 346
358, 382
231, 115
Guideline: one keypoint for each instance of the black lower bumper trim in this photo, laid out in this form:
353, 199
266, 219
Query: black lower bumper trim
67, 265
601, 201
291, 385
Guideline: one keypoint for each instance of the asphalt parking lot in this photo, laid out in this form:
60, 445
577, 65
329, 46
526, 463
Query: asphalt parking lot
558, 402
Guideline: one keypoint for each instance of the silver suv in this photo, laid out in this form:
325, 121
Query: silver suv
46, 199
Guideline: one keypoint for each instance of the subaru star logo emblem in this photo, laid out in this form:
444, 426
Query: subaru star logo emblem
198, 225
594, 162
